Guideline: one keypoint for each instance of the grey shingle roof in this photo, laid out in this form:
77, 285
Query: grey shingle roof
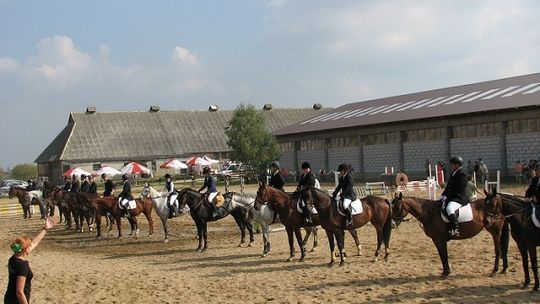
500, 94
146, 135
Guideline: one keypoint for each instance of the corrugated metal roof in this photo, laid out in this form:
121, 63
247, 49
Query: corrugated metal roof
521, 91
147, 135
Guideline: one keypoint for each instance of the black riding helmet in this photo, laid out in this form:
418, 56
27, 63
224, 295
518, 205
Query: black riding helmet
456, 160
306, 165
103, 175
343, 167
167, 175
206, 170
125, 177
274, 164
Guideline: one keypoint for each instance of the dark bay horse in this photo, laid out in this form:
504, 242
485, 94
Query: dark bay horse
527, 236
109, 205
26, 199
201, 215
428, 212
285, 205
375, 210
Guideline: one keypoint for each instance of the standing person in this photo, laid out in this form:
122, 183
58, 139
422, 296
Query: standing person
85, 185
477, 170
75, 184
346, 186
470, 168
471, 189
172, 194
307, 181
454, 195
484, 172
211, 192
19, 273
276, 180
426, 166
125, 196
109, 186
518, 171
92, 188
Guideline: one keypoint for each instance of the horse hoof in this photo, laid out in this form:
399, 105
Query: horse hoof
250, 244
301, 259
525, 285
341, 264
264, 255
313, 249
386, 258
493, 273
331, 264
203, 250
241, 245
445, 275
166, 241
289, 259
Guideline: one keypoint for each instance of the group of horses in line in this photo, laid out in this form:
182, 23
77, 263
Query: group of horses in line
498, 213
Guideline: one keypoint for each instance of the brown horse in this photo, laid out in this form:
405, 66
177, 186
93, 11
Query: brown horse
285, 206
527, 236
429, 214
375, 210
110, 204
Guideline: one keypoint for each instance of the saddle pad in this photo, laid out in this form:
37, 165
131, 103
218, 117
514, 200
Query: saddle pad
131, 205
356, 207
534, 218
219, 200
299, 208
464, 215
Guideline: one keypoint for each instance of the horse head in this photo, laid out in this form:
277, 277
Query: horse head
12, 192
263, 196
147, 191
398, 210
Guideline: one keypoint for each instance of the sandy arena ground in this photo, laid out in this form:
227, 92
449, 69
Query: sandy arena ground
74, 267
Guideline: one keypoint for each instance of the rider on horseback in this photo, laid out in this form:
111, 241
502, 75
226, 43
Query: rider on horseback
276, 181
346, 187
125, 196
172, 194
75, 184
454, 195
533, 192
92, 188
85, 186
307, 181
210, 184
109, 186
67, 184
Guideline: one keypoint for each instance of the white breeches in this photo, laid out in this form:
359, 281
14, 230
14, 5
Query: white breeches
451, 207
173, 198
124, 202
211, 196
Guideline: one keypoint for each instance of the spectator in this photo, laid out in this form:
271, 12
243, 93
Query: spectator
470, 168
518, 171
470, 189
526, 172
477, 170
427, 164
484, 172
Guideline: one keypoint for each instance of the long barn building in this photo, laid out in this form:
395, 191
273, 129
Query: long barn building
92, 139
498, 121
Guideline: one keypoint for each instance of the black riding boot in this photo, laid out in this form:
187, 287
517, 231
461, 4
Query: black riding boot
171, 211
213, 210
454, 231
348, 217
307, 215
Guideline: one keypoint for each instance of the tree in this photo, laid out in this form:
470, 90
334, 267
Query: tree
250, 140
24, 171
2, 174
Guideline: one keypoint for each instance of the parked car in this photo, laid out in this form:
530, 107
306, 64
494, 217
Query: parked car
234, 170
6, 184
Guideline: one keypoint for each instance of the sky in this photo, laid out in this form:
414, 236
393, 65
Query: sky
58, 57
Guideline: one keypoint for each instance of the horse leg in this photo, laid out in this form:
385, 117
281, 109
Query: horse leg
98, 225
534, 265
242, 228
298, 234
205, 235
497, 244
505, 237
315, 239
332, 246
379, 243
42, 209
306, 237
291, 243
118, 225
200, 235
148, 215
354, 234
442, 248
266, 238
525, 263
387, 233
249, 228
340, 238
164, 223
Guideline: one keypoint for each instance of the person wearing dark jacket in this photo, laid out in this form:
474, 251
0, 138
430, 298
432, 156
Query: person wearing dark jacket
172, 195
109, 186
92, 188
346, 186
125, 196
67, 184
75, 185
454, 195
276, 180
85, 185
211, 191
533, 191
307, 181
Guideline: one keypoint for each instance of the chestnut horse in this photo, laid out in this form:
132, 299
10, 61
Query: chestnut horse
428, 212
527, 236
285, 205
375, 210
110, 204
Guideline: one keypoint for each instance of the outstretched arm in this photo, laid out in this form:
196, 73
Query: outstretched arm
49, 223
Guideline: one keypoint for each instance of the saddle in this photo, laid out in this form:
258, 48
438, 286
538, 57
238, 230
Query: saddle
535, 215
131, 204
356, 206
464, 213
299, 207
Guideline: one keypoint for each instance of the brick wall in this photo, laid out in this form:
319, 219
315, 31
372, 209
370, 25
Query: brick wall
348, 155
379, 156
416, 152
524, 146
487, 148
314, 157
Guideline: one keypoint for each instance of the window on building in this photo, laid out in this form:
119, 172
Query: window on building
476, 130
523, 126
311, 144
381, 139
96, 167
154, 165
424, 134
338, 142
286, 147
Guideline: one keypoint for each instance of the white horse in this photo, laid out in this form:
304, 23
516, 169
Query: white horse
265, 217
35, 197
159, 201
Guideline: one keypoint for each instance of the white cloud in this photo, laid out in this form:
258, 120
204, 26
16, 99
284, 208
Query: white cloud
183, 56
8, 65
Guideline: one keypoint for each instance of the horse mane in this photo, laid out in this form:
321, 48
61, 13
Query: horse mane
420, 199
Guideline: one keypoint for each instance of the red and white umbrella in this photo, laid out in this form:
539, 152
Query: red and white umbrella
211, 161
174, 164
134, 168
197, 161
75, 171
110, 171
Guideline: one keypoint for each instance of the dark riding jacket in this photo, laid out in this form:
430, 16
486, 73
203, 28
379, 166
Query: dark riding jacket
67, 186
534, 189
126, 191
85, 187
170, 188
92, 189
276, 181
455, 190
75, 187
307, 181
109, 187
209, 183
346, 186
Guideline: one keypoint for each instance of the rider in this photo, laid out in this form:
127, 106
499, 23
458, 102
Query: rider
75, 184
172, 194
125, 196
276, 181
92, 188
346, 186
85, 186
454, 195
307, 181
533, 192
109, 186
211, 192
67, 184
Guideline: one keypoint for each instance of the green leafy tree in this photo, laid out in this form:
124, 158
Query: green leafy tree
24, 171
2, 174
250, 140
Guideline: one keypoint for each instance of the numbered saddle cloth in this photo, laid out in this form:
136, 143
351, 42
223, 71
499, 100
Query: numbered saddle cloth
534, 218
464, 214
356, 207
300, 204
131, 204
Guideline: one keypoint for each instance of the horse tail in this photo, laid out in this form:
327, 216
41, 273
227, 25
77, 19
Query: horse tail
505, 238
387, 228
250, 216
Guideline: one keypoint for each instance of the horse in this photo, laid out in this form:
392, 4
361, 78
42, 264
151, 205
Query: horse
527, 236
375, 210
27, 198
428, 213
201, 215
264, 215
159, 201
285, 206
109, 204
